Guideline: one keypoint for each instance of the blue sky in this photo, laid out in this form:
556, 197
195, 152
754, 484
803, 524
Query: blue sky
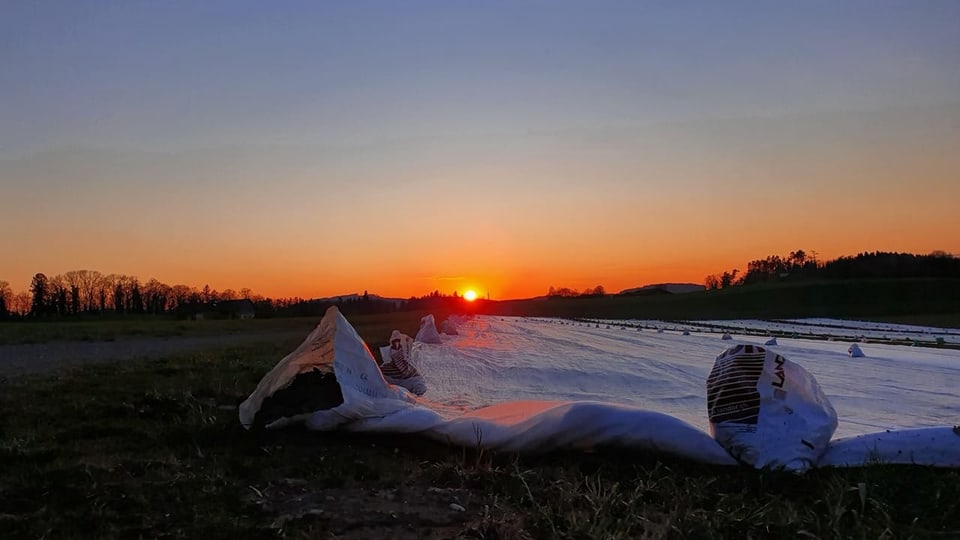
179, 74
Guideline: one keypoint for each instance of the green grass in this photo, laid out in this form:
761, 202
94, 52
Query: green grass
154, 449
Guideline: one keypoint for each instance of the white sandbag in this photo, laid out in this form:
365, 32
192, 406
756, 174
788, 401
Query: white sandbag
772, 342
416, 384
428, 331
767, 411
406, 371
933, 447
406, 344
855, 352
448, 327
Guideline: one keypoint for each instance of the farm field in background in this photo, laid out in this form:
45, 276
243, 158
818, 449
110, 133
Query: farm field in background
496, 359
814, 328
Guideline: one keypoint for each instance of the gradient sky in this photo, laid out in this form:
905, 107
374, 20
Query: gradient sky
315, 149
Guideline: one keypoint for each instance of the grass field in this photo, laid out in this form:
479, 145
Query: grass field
154, 449
910, 301
110, 330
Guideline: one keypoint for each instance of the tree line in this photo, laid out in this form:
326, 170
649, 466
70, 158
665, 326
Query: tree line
566, 292
878, 264
367, 304
89, 293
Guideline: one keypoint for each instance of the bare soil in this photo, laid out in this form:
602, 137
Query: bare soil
20, 359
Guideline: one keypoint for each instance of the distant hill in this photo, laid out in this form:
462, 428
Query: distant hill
661, 288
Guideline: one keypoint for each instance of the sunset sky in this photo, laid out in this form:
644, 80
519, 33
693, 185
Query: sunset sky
324, 148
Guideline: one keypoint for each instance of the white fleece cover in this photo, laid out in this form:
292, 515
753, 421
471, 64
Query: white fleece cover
528, 385
372, 405
428, 331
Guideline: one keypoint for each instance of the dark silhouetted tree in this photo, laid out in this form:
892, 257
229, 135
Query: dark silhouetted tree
711, 282
74, 299
61, 300
118, 297
135, 297
38, 290
798, 258
727, 279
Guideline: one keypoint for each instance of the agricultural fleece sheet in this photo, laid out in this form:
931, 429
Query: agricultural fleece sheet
529, 385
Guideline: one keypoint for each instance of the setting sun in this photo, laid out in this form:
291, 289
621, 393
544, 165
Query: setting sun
470, 295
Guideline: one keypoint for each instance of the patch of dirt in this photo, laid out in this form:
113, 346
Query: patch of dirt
414, 511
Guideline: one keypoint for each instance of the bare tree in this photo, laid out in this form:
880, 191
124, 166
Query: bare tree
72, 280
121, 287
57, 286
156, 296
105, 292
134, 295
229, 294
21, 304
181, 296
712, 282
90, 287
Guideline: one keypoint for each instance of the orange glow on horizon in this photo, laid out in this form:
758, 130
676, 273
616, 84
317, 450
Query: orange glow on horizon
503, 278
470, 295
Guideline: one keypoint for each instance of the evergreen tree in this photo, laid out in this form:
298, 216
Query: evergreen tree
38, 290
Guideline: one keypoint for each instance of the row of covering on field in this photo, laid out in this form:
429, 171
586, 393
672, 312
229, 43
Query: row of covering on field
534, 386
